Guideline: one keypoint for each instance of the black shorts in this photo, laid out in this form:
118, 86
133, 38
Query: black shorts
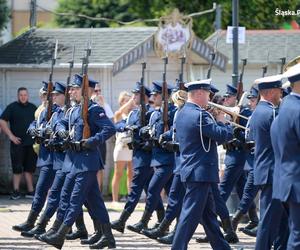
23, 159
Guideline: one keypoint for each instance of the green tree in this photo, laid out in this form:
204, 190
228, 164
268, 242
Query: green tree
113, 9
253, 14
4, 13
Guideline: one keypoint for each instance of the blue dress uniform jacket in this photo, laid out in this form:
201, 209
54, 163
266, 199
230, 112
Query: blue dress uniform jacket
161, 156
260, 125
58, 157
199, 160
101, 129
287, 132
45, 156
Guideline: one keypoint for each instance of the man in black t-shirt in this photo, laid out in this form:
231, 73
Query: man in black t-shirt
19, 115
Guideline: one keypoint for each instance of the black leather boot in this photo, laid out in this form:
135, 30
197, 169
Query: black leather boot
160, 231
119, 224
202, 239
160, 216
142, 224
57, 240
52, 230
28, 224
81, 232
168, 239
107, 239
253, 219
95, 237
229, 234
250, 232
39, 229
237, 217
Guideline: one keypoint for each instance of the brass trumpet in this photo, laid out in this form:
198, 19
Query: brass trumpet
234, 111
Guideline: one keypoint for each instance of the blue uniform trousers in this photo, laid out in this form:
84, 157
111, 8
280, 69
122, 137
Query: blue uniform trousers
175, 199
86, 191
250, 191
140, 181
55, 192
158, 181
65, 196
234, 175
221, 208
198, 205
45, 181
273, 227
264, 199
294, 238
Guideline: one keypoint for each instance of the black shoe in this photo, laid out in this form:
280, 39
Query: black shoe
250, 232
15, 195
119, 224
168, 239
57, 240
107, 239
160, 231
202, 239
95, 237
30, 195
237, 217
81, 232
142, 224
39, 229
28, 224
229, 234
56, 225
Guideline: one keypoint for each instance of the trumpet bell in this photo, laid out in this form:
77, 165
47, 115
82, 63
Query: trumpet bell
291, 63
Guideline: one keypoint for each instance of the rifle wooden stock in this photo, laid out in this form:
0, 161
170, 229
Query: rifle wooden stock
240, 87
85, 107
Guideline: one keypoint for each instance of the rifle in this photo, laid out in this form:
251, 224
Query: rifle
265, 67
50, 83
85, 93
165, 96
180, 82
283, 61
240, 87
142, 98
67, 95
213, 56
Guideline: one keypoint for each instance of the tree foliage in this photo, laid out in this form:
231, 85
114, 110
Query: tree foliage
4, 13
253, 14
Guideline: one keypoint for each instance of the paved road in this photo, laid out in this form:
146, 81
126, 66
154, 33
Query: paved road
14, 212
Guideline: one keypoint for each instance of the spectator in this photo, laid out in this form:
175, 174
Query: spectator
19, 115
122, 154
98, 98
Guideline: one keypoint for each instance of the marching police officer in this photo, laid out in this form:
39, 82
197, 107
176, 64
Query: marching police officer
141, 157
162, 160
45, 162
285, 135
86, 163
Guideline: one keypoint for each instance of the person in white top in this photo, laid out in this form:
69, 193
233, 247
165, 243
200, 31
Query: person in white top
122, 154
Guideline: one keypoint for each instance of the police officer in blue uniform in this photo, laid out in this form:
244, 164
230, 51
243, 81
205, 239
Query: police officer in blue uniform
162, 160
285, 134
141, 159
260, 124
86, 163
58, 96
45, 162
250, 190
234, 174
198, 140
177, 190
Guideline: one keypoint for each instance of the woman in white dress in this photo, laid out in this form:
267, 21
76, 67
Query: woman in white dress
122, 154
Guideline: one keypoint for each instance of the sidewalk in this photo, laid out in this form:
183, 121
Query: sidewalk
15, 212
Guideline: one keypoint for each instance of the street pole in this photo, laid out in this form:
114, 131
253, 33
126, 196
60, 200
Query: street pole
235, 42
